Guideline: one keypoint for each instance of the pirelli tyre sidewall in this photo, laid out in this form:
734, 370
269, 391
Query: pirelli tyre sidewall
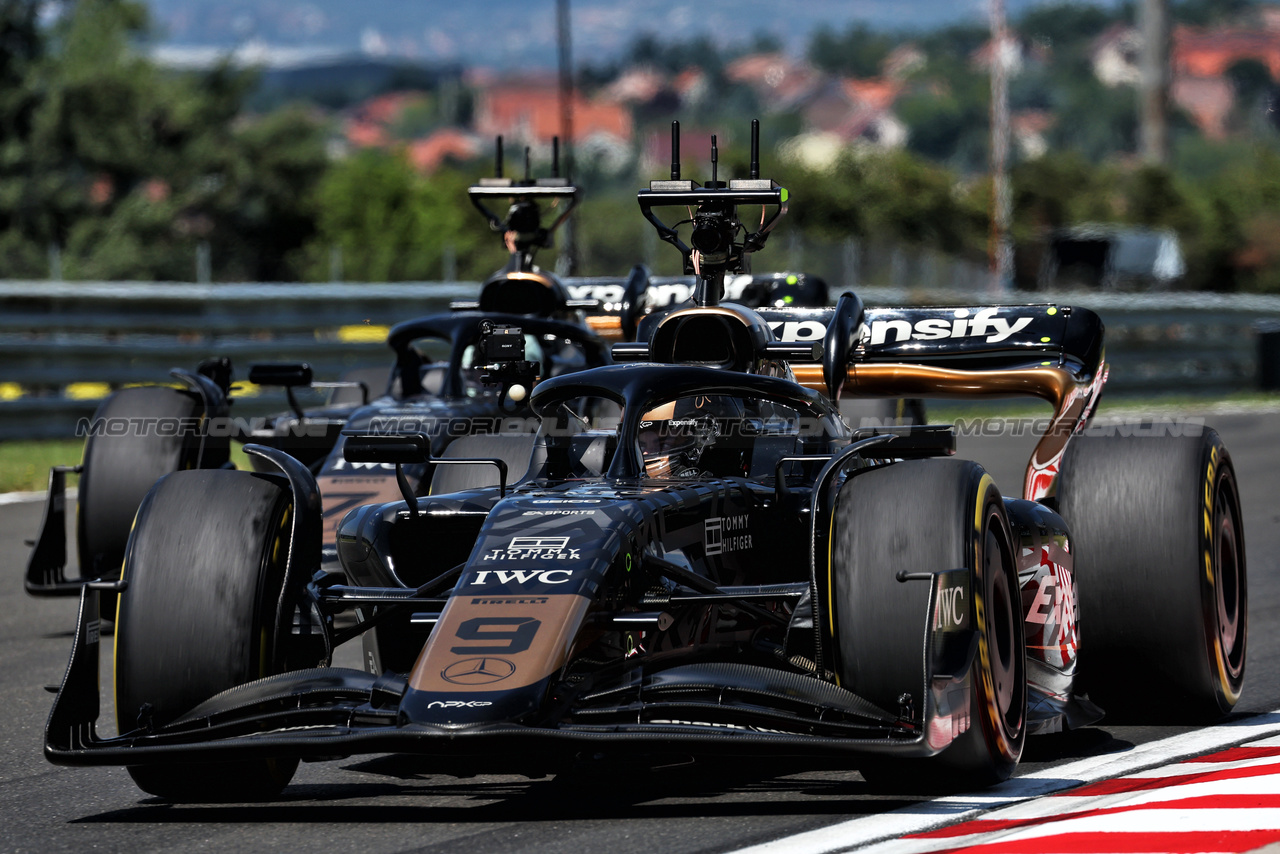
1223, 582
204, 567
927, 516
1158, 539
999, 676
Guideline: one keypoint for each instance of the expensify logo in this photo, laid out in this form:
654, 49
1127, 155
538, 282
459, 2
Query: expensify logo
984, 325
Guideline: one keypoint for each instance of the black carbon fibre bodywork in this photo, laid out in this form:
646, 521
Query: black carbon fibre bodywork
619, 571
663, 575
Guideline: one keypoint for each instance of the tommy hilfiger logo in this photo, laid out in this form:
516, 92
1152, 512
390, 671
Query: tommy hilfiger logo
535, 548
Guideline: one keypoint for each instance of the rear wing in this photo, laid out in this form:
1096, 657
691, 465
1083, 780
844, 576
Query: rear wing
616, 305
974, 338
1048, 351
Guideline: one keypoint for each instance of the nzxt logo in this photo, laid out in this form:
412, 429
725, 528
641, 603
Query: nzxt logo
478, 671
535, 548
983, 325
458, 704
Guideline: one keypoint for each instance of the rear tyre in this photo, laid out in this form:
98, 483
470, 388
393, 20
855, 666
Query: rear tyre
921, 516
1158, 540
204, 565
139, 436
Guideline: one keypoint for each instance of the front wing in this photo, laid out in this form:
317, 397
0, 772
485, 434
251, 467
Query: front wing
330, 713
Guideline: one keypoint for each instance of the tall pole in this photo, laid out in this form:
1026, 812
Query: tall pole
1154, 130
567, 263
1000, 244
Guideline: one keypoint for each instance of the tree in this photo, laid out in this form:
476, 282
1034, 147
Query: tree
391, 224
21, 51
129, 168
857, 52
1068, 26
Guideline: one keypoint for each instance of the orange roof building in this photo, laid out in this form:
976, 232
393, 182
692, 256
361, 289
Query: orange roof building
1209, 53
428, 154
532, 114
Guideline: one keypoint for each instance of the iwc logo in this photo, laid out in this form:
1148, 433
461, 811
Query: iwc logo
478, 671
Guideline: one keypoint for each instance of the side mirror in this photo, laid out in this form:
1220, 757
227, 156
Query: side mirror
287, 374
401, 449
398, 449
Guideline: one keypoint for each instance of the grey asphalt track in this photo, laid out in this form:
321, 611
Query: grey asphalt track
377, 804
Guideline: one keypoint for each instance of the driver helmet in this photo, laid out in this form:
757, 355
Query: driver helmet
674, 436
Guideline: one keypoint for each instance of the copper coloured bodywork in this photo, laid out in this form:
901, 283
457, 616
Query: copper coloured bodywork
341, 492
608, 327
469, 662
1072, 400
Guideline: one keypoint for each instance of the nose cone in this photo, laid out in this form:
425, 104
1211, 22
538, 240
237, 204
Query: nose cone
491, 657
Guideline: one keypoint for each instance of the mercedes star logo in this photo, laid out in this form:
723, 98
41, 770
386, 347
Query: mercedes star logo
478, 671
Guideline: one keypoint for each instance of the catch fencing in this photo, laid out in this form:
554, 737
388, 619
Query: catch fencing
64, 346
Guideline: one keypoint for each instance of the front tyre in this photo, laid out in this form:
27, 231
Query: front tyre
204, 567
927, 516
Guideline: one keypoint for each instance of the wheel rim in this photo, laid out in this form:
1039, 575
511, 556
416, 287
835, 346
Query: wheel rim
1001, 631
1229, 589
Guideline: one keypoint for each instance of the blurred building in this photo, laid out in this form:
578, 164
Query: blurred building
528, 114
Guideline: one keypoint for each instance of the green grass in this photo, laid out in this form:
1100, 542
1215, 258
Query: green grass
24, 466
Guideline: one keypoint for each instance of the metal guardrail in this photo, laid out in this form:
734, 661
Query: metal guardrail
62, 345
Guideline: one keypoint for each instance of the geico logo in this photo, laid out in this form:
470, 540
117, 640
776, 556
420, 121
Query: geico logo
798, 330
523, 576
458, 704
984, 324
949, 612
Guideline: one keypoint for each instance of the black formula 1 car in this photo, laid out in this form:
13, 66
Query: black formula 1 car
700, 559
141, 434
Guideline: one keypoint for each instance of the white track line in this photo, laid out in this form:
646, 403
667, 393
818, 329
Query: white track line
861, 832
23, 497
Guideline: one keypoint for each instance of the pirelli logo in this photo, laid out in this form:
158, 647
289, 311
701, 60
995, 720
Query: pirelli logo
509, 600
